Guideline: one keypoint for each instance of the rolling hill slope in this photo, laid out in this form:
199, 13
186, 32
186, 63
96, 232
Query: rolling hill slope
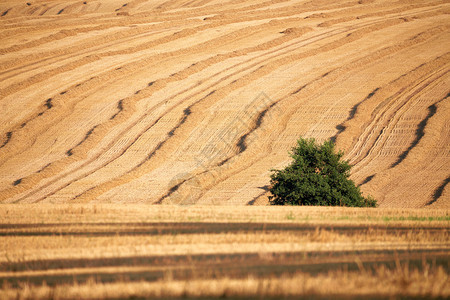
193, 102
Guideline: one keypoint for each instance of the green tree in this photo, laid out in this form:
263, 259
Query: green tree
316, 176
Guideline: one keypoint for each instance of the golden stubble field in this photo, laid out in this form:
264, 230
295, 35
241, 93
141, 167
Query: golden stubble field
107, 107
50, 251
154, 101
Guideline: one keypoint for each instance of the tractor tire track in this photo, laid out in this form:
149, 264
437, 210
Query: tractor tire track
160, 84
113, 138
241, 144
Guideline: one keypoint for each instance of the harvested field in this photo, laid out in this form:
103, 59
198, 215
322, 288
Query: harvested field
117, 251
193, 102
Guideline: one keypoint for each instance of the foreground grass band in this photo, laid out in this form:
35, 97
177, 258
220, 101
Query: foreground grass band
118, 251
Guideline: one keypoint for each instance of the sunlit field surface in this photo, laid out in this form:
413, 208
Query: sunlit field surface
195, 101
124, 251
108, 107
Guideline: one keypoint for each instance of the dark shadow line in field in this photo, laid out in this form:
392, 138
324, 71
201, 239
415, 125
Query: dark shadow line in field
166, 232
8, 138
70, 151
367, 179
48, 105
420, 131
265, 188
119, 108
213, 227
171, 133
259, 269
208, 259
174, 188
310, 295
438, 192
242, 145
341, 127
70, 183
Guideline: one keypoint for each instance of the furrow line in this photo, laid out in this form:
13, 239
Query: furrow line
131, 66
241, 144
377, 55
355, 36
208, 62
402, 84
119, 35
400, 99
420, 131
391, 117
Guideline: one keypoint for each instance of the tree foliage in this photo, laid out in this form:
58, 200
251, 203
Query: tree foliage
316, 176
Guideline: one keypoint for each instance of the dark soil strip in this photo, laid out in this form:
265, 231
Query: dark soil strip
44, 167
228, 226
123, 229
119, 107
208, 259
174, 188
48, 103
420, 131
367, 179
341, 127
70, 151
8, 138
309, 296
299, 90
258, 268
186, 114
117, 9
252, 202
438, 192
242, 143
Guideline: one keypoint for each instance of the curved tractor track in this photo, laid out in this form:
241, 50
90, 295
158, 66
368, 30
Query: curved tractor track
193, 102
